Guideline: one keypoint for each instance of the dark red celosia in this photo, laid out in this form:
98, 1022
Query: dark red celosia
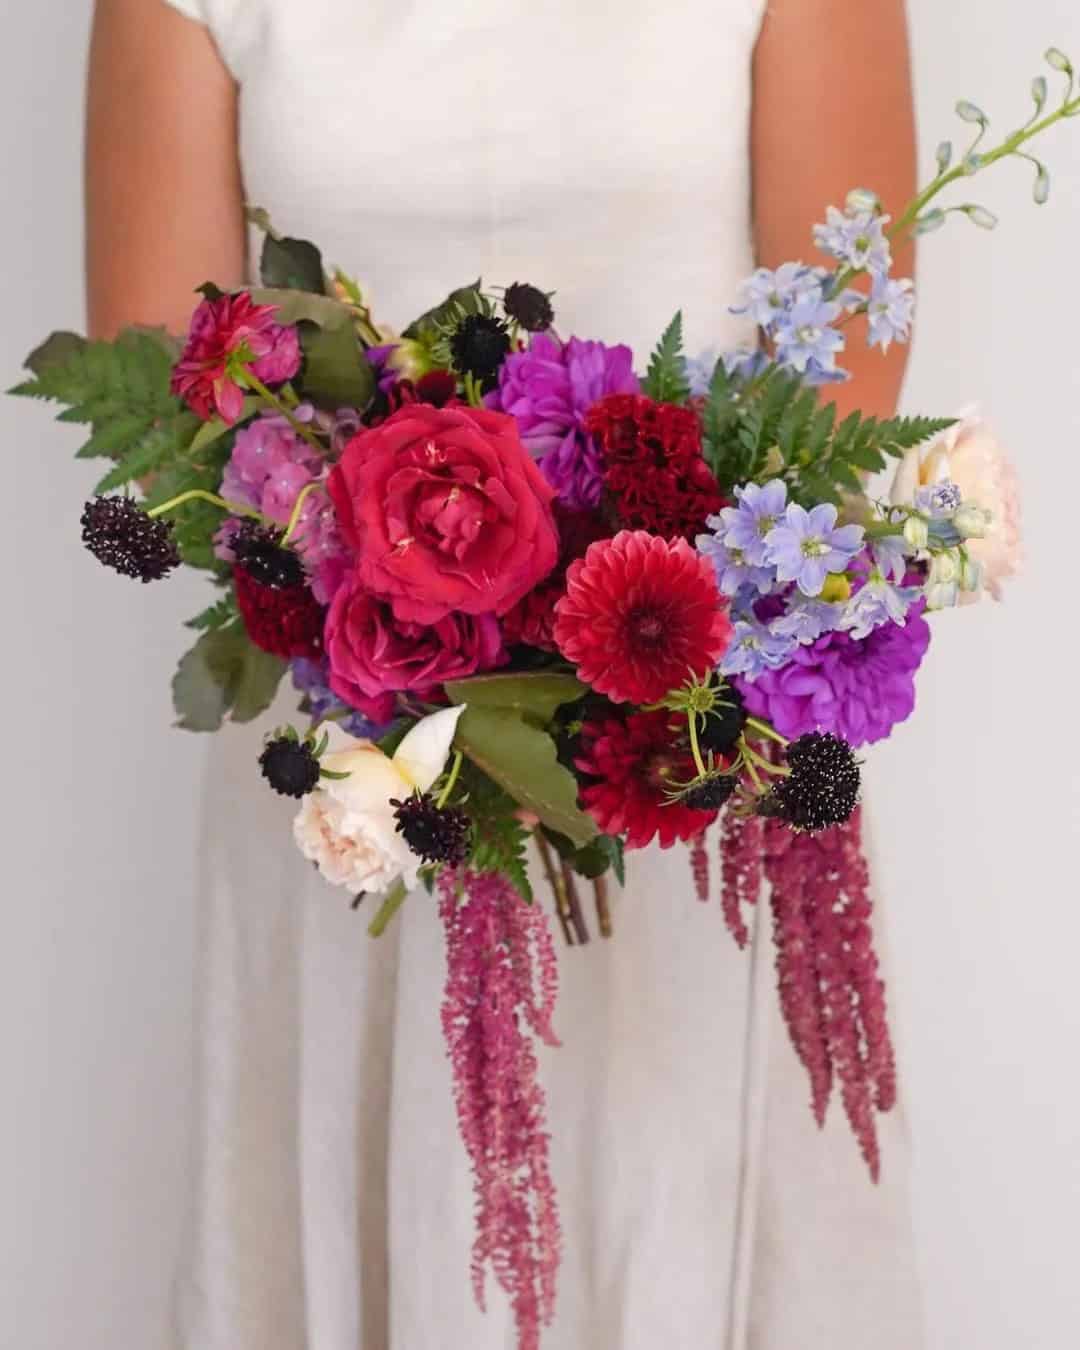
640, 615
741, 870
501, 978
628, 767
654, 474
532, 620
699, 865
831, 993
285, 621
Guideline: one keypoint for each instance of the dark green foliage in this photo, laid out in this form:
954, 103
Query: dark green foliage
773, 426
292, 264
217, 615
665, 381
224, 674
600, 855
500, 841
121, 391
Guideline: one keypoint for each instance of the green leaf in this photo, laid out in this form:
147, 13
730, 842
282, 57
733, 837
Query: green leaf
467, 298
224, 673
499, 840
521, 759
293, 264
213, 430
217, 615
335, 372
56, 350
150, 452
535, 695
603, 854
666, 379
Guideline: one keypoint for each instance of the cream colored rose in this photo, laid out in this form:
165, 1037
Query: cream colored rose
347, 827
968, 454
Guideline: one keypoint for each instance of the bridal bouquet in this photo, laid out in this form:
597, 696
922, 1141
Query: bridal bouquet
526, 593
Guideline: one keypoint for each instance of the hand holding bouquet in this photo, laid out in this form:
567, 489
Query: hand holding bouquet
526, 594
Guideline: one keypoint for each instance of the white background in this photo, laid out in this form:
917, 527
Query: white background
980, 795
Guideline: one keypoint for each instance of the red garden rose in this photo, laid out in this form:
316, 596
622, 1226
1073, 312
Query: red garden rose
232, 328
445, 512
372, 653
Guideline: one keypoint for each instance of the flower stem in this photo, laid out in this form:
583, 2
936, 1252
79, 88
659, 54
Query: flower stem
451, 782
253, 382
473, 396
301, 497
603, 909
763, 729
198, 494
695, 748
389, 907
558, 886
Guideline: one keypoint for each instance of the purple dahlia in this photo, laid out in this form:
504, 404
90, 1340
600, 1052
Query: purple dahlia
855, 689
548, 389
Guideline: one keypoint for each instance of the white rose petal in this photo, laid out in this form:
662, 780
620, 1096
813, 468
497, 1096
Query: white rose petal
363, 852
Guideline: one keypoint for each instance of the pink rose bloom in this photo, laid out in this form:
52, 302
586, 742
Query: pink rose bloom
372, 653
968, 454
232, 328
445, 512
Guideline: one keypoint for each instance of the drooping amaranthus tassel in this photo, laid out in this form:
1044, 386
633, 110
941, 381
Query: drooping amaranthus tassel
699, 865
741, 869
501, 979
831, 994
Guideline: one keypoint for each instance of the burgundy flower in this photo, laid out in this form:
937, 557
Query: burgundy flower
226, 333
629, 766
285, 621
445, 512
371, 652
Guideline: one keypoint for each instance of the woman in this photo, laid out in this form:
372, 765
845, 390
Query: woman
608, 154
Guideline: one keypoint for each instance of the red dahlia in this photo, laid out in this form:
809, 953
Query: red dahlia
652, 465
639, 615
633, 762
285, 621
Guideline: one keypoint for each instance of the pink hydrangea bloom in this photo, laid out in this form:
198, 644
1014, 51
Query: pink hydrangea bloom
269, 467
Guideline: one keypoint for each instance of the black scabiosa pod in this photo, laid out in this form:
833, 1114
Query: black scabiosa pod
259, 550
823, 786
721, 727
710, 794
434, 833
478, 346
290, 765
120, 534
528, 306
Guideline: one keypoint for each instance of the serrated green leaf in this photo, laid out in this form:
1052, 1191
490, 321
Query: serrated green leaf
217, 615
151, 452
467, 298
666, 381
213, 430
113, 436
536, 695
224, 673
521, 759
292, 264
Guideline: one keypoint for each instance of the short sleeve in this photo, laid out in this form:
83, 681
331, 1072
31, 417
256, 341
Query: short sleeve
230, 23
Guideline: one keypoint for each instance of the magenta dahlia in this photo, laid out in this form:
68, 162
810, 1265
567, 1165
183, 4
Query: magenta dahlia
639, 615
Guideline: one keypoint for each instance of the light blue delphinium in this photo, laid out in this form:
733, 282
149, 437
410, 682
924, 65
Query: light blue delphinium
855, 238
890, 310
804, 334
807, 545
733, 571
939, 501
755, 648
745, 363
744, 527
699, 372
876, 602
767, 295
890, 553
806, 620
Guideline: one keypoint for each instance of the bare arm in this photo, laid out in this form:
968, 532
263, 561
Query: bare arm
163, 192
832, 111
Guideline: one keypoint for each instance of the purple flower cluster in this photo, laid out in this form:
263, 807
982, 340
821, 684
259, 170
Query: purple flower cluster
269, 467
548, 389
312, 679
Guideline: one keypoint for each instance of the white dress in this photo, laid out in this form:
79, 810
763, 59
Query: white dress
598, 150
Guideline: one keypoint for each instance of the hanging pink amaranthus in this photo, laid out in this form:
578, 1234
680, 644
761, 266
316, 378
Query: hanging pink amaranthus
501, 979
699, 866
831, 995
740, 862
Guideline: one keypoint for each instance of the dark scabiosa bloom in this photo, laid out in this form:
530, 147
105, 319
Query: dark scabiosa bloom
823, 786
478, 346
434, 833
528, 306
120, 534
260, 551
290, 765
722, 726
710, 794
